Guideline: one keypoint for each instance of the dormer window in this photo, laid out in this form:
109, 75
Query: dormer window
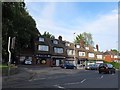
67, 44
87, 48
95, 49
55, 42
41, 39
77, 46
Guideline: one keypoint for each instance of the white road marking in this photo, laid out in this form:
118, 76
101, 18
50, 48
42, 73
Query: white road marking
101, 77
58, 86
36, 79
72, 83
82, 80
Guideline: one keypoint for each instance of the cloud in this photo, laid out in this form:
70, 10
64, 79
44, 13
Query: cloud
104, 29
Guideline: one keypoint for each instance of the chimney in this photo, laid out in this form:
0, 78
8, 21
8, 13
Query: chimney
60, 38
97, 47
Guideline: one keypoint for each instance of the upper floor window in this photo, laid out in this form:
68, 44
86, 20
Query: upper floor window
116, 56
41, 39
77, 46
99, 56
91, 55
55, 42
67, 44
87, 48
95, 49
111, 56
70, 52
81, 53
58, 50
43, 48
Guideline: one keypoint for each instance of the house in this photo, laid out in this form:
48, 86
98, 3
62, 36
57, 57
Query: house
117, 57
58, 54
54, 52
94, 55
81, 55
70, 53
111, 56
42, 53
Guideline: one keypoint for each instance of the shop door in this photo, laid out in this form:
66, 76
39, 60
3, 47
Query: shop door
57, 62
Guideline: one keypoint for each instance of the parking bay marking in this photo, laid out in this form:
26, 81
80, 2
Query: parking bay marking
83, 80
101, 77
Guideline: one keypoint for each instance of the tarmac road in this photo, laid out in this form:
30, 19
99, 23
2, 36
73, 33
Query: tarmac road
36, 77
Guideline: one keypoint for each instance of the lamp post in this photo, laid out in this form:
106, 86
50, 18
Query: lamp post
74, 51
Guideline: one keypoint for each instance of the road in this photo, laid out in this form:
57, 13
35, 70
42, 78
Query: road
65, 78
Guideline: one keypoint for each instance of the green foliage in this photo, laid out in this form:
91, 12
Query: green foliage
16, 22
78, 38
86, 37
115, 51
48, 35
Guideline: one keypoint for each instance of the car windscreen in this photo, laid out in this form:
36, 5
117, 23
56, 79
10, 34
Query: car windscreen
110, 65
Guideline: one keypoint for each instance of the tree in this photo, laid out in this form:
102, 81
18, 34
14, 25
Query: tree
115, 50
85, 37
78, 38
16, 22
88, 38
48, 35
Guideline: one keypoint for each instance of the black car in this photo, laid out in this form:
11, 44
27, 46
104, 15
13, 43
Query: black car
68, 66
106, 68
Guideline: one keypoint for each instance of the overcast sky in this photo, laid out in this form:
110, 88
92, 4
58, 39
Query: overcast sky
65, 18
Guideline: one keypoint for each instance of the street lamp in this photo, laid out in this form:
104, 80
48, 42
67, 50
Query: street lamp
74, 51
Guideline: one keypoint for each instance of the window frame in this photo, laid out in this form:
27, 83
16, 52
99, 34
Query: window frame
43, 46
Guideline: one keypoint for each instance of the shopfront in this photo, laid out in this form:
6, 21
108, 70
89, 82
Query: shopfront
43, 59
57, 60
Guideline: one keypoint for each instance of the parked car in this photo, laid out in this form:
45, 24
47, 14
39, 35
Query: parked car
28, 62
68, 66
92, 67
106, 68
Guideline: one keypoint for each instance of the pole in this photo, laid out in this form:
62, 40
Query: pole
74, 52
9, 51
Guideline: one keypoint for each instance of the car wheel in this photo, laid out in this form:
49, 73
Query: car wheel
65, 67
114, 72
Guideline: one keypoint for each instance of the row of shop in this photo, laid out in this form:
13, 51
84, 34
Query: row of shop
54, 52
48, 60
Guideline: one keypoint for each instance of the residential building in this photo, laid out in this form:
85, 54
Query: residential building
58, 54
54, 52
42, 54
111, 56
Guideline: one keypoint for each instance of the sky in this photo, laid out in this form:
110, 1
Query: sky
66, 18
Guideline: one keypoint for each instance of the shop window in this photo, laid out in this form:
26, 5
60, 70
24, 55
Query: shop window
43, 61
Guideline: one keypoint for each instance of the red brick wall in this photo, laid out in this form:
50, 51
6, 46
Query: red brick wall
108, 58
